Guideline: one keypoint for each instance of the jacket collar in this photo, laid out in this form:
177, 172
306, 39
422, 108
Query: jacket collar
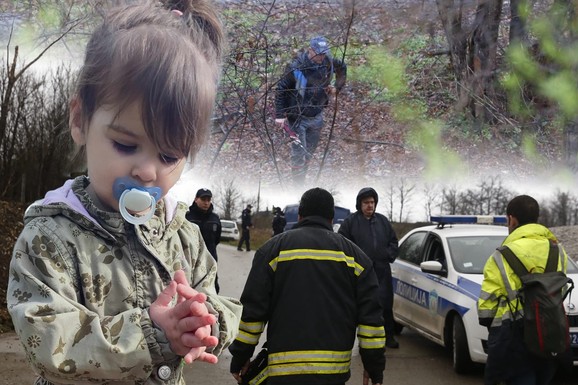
314, 221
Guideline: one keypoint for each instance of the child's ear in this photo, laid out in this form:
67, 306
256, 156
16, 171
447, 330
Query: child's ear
75, 122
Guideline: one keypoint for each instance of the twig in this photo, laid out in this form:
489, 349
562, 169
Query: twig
374, 142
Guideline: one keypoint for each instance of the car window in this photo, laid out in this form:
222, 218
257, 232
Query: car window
410, 249
228, 224
435, 251
469, 254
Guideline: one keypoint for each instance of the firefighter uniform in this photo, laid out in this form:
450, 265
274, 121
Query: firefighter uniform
313, 289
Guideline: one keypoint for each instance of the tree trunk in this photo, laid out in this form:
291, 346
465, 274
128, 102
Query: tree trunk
483, 60
518, 31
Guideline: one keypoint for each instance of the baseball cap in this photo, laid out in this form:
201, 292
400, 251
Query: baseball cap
204, 192
320, 45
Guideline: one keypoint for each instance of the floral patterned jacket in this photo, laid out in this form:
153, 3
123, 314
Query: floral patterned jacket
82, 281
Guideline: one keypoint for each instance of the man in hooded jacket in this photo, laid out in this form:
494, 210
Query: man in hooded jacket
201, 213
373, 233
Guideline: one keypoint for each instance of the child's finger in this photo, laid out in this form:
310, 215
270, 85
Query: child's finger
198, 309
166, 296
194, 355
190, 293
181, 277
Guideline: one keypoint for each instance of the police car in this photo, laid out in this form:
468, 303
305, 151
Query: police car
437, 280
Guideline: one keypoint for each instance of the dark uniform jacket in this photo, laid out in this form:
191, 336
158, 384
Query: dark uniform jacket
314, 289
375, 237
302, 89
210, 225
278, 224
246, 220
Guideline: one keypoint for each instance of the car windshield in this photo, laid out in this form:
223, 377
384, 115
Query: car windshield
469, 254
228, 224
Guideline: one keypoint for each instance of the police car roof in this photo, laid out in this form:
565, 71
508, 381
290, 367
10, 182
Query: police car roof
469, 219
459, 230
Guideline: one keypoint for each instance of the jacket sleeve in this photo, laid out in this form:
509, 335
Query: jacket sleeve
340, 69
218, 234
256, 300
393, 245
345, 229
490, 293
226, 309
370, 331
285, 87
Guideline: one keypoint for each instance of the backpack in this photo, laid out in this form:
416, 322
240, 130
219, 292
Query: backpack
545, 324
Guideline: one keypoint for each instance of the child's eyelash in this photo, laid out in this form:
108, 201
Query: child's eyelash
169, 159
124, 148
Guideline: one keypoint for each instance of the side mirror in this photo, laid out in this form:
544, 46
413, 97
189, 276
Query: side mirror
433, 267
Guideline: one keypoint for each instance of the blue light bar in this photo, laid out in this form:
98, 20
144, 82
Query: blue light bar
469, 219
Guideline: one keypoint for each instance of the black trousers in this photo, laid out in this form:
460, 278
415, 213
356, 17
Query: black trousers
245, 237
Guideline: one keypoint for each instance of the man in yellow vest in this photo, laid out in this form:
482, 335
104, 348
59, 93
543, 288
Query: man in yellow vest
509, 361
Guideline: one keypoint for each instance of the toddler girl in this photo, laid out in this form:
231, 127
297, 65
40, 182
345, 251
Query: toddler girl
109, 282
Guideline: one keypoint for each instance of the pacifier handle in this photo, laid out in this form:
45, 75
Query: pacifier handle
136, 200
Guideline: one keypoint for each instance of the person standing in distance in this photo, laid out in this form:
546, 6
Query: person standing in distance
373, 233
301, 96
315, 291
279, 221
246, 225
509, 361
201, 213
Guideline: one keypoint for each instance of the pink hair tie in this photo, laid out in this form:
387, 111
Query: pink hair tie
176, 12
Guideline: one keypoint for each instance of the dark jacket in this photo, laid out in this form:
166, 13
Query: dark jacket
279, 223
313, 288
246, 220
210, 226
375, 236
306, 95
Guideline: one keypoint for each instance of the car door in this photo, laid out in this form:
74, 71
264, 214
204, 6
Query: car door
403, 272
430, 288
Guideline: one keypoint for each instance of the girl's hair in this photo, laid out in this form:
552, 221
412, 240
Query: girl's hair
170, 64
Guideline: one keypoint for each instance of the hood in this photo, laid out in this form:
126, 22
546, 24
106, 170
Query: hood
364, 193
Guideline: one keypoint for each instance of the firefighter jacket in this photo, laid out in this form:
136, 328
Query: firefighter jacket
313, 289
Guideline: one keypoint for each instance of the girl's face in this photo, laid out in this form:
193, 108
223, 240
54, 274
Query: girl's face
117, 146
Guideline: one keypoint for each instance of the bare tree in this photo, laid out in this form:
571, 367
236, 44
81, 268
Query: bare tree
227, 198
431, 199
450, 200
405, 193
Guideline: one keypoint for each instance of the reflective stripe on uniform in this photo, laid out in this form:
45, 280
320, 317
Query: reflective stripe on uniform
309, 362
248, 338
317, 255
371, 337
252, 327
250, 332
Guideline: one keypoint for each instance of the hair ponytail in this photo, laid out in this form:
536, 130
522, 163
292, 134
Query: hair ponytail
203, 20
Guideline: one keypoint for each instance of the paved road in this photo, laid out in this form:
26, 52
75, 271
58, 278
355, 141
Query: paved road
417, 362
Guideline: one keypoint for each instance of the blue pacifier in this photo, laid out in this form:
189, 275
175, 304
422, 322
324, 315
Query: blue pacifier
136, 198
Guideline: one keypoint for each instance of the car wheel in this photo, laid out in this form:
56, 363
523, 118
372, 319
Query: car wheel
397, 328
461, 354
